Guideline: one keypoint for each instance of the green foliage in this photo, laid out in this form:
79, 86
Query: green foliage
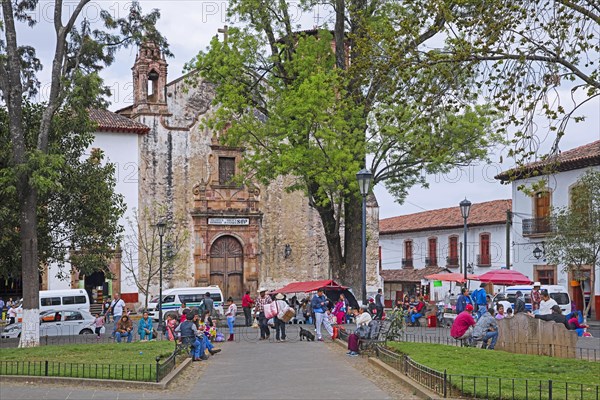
78, 211
576, 240
306, 111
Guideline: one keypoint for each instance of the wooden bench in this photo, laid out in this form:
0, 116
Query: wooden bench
381, 338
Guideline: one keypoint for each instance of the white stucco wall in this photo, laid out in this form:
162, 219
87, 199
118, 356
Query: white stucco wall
120, 149
523, 208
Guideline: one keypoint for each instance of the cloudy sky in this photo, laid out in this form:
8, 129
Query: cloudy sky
189, 26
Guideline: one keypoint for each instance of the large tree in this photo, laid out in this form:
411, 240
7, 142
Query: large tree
538, 62
79, 53
575, 244
78, 217
320, 105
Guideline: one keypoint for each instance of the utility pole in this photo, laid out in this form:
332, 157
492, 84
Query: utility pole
508, 227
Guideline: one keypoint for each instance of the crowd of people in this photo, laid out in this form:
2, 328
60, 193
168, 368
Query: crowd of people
477, 316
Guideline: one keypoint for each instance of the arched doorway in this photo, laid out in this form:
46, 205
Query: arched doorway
227, 266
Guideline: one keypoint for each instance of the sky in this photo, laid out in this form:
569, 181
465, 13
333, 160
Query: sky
189, 26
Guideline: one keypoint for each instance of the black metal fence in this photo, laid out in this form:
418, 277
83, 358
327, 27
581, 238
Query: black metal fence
485, 387
128, 372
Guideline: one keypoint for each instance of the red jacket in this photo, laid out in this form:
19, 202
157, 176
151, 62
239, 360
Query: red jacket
247, 301
461, 324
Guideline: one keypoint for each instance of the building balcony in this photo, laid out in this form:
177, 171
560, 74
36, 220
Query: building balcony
484, 260
407, 263
452, 262
430, 262
538, 226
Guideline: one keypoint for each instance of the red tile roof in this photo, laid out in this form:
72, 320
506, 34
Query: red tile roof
579, 157
109, 121
487, 213
409, 275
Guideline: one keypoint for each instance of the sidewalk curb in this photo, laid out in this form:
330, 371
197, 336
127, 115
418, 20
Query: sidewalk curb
89, 382
417, 388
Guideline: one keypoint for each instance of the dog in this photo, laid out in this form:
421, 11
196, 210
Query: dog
309, 336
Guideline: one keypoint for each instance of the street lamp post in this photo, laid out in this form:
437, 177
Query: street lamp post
364, 177
465, 209
161, 226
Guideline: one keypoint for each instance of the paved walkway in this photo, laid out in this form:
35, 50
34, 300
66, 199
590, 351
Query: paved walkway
245, 369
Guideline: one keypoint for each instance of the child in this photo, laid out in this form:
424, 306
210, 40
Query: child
509, 313
171, 325
98, 324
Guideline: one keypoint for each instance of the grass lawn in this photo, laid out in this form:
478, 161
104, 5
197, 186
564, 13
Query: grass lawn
519, 372
131, 361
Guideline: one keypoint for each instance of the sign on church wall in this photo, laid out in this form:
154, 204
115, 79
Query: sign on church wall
228, 221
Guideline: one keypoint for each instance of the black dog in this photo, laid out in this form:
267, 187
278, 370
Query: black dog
306, 334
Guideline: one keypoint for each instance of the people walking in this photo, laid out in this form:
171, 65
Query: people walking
230, 314
279, 324
319, 305
259, 309
98, 324
379, 304
247, 303
116, 309
12, 314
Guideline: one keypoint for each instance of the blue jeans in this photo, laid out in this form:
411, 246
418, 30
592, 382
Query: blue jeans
128, 335
230, 321
493, 336
415, 317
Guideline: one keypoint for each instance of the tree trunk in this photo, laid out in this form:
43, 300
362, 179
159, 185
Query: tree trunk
332, 236
351, 273
30, 334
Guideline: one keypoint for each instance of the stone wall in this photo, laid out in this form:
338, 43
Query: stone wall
526, 335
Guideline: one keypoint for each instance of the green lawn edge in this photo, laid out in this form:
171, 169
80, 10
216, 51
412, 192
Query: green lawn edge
498, 374
127, 361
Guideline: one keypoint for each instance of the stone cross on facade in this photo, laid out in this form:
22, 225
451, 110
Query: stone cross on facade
223, 30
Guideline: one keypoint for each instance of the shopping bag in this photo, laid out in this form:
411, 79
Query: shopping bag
270, 310
255, 323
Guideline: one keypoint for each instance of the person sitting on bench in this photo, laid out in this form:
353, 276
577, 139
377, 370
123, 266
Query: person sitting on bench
362, 318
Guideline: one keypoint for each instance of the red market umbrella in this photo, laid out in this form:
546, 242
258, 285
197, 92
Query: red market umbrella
505, 277
451, 277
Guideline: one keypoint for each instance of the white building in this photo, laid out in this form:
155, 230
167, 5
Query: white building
530, 215
119, 138
416, 245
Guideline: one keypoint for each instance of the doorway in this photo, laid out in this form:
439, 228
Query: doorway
227, 266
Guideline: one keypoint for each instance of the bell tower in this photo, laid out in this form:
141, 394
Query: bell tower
149, 81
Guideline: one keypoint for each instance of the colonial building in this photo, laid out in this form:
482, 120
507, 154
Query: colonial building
531, 214
416, 245
241, 236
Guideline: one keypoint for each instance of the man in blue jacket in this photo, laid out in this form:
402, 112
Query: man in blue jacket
319, 307
463, 300
480, 298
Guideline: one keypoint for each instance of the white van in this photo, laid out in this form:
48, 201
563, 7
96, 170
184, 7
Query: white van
58, 300
556, 292
192, 296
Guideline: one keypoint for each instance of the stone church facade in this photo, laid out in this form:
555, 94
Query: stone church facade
241, 236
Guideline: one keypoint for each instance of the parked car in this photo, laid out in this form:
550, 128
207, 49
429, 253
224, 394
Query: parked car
57, 323
556, 292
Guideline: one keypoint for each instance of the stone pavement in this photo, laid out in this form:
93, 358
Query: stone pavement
245, 369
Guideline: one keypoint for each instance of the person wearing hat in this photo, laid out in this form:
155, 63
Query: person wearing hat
519, 303
259, 308
546, 304
536, 297
279, 324
555, 315
462, 328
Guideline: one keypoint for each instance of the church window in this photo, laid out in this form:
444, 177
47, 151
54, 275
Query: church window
226, 170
